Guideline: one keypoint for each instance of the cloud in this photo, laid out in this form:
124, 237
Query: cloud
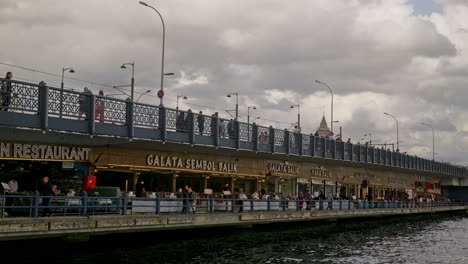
375, 54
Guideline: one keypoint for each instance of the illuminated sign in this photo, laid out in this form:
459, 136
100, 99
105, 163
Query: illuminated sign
43, 152
194, 164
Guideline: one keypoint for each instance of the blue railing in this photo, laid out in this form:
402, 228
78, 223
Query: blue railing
36, 205
49, 108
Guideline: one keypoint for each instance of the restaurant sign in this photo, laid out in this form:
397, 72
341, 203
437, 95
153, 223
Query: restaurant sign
320, 172
43, 152
283, 168
194, 164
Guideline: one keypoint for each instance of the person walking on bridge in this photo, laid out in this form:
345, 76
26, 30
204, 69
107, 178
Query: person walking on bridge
5, 92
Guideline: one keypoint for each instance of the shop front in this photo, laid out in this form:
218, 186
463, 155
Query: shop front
28, 163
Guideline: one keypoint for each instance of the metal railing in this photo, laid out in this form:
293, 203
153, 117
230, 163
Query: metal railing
85, 205
50, 108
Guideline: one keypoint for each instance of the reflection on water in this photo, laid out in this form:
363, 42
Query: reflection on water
440, 239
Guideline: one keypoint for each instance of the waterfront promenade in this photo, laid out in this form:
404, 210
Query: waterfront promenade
167, 215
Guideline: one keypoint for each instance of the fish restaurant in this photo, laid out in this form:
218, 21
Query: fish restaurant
168, 172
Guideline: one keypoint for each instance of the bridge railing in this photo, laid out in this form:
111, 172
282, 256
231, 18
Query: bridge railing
48, 108
85, 205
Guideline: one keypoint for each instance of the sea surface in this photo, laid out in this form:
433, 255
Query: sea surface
427, 239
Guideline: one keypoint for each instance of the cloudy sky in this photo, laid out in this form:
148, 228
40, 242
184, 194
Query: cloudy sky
405, 57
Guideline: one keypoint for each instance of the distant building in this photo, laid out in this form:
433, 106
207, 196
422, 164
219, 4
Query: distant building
323, 130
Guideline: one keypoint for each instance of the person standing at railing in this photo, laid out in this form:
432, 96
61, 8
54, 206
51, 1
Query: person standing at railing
45, 189
5, 92
230, 128
100, 107
83, 101
201, 123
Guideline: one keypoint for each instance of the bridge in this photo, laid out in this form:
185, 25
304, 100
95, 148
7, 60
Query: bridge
48, 109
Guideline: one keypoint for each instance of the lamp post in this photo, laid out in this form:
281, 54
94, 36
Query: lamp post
237, 103
298, 116
331, 93
180, 96
163, 46
70, 70
132, 91
138, 99
433, 139
397, 131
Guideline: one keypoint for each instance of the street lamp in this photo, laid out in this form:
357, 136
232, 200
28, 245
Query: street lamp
370, 138
248, 113
180, 96
433, 139
237, 103
248, 120
397, 132
331, 93
132, 93
138, 99
70, 70
163, 46
298, 116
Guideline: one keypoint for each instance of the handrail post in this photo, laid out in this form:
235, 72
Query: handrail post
130, 107
186, 204
233, 204
349, 204
320, 204
44, 105
36, 205
333, 148
287, 140
312, 145
284, 204
251, 205
215, 130
191, 126
124, 203
158, 204
162, 122
300, 144
84, 204
324, 147
269, 204
237, 133
91, 113
298, 206
271, 139
255, 136
341, 204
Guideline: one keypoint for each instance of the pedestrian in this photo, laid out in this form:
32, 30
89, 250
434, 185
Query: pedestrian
13, 183
330, 201
185, 197
225, 189
201, 123
45, 189
140, 188
5, 92
190, 196
242, 196
100, 107
180, 121
83, 101
349, 141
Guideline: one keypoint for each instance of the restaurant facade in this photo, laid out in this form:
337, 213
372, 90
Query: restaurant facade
167, 169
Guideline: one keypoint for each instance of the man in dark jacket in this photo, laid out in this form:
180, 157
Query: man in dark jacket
5, 92
45, 189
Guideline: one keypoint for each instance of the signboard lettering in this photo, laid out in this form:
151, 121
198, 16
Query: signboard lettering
43, 152
194, 164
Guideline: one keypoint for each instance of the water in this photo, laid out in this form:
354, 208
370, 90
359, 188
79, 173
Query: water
436, 239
